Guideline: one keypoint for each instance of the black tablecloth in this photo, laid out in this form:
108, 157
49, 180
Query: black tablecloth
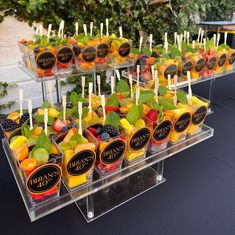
197, 198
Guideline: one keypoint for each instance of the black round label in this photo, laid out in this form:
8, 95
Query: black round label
124, 50
221, 60
199, 65
172, 70
187, 66
65, 55
81, 163
113, 152
182, 122
102, 50
44, 178
162, 131
45, 60
139, 139
211, 63
89, 54
199, 115
232, 58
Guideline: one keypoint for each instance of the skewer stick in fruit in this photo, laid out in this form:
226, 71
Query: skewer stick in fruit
201, 40
189, 88
156, 84
90, 89
199, 34
193, 44
137, 95
103, 107
49, 32
225, 38
218, 39
80, 118
166, 47
64, 108
214, 39
45, 120
91, 28
138, 75
40, 30
101, 29
131, 87
185, 35
37, 30
76, 28
141, 41
204, 44
118, 74
175, 91
62, 30
165, 39
99, 83
151, 42
83, 86
50, 92
85, 29
120, 32
188, 35
30, 114
107, 27
175, 37
169, 81
152, 71
21, 95
112, 84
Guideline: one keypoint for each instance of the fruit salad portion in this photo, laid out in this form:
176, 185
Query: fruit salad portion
120, 49
79, 157
221, 58
39, 161
55, 122
138, 130
229, 65
111, 144
85, 53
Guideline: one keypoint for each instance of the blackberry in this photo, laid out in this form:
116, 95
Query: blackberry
69, 105
24, 118
9, 124
111, 130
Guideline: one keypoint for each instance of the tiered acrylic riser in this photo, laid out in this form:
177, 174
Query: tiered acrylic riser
68, 197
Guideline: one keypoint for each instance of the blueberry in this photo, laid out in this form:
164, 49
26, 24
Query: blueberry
69, 105
65, 128
71, 125
154, 54
36, 50
98, 130
105, 136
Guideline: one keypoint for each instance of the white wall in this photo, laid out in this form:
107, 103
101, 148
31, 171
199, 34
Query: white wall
12, 30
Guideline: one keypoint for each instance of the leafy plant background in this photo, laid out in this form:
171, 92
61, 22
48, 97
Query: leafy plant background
135, 16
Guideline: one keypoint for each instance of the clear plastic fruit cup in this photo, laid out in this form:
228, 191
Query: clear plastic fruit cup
120, 50
229, 65
64, 56
181, 118
79, 162
184, 65
199, 110
42, 181
85, 56
221, 60
209, 68
102, 56
138, 137
198, 65
166, 67
160, 135
110, 152
43, 61
23, 46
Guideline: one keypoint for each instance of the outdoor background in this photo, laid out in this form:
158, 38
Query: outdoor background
19, 18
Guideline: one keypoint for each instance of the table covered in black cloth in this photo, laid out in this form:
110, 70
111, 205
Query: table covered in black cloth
198, 197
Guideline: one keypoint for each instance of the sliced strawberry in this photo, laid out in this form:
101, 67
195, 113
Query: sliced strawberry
120, 96
152, 115
37, 197
58, 125
92, 130
110, 109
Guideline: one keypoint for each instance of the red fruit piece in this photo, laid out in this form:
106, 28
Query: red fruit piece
110, 108
93, 131
152, 115
58, 125
37, 197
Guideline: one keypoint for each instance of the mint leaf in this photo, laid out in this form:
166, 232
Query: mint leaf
85, 111
166, 104
122, 86
40, 119
134, 113
146, 96
75, 98
43, 142
162, 90
181, 97
112, 101
135, 51
79, 139
146, 51
45, 104
25, 129
113, 119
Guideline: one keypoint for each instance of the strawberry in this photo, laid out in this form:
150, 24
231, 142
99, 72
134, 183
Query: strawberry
152, 115
58, 125
110, 109
92, 130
